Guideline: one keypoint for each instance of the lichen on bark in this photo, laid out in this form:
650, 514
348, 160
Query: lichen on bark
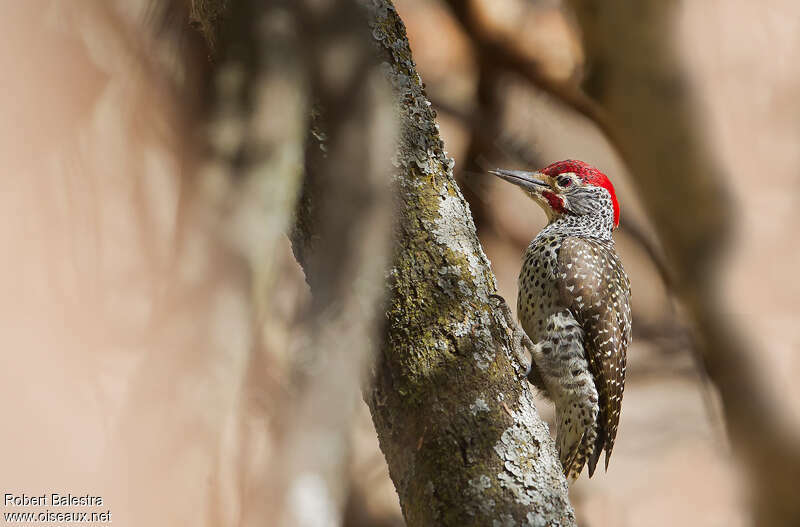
453, 461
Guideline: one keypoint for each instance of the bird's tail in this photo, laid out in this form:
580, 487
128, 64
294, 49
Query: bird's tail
575, 439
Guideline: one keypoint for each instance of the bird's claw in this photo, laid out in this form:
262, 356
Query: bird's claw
503, 306
519, 339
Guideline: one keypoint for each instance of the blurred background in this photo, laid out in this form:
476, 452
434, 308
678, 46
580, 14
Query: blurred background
91, 143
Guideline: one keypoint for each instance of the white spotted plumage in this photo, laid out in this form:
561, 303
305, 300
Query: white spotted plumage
574, 304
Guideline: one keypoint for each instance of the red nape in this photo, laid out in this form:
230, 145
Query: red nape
589, 175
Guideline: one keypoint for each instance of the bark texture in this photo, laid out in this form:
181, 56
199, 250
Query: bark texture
456, 423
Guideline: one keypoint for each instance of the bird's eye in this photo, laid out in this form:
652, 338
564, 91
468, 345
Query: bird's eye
563, 181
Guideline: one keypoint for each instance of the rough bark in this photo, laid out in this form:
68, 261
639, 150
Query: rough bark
455, 421
634, 72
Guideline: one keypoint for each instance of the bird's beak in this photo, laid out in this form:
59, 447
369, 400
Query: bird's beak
529, 181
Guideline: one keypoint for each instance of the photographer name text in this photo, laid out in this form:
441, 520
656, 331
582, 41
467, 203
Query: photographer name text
51, 500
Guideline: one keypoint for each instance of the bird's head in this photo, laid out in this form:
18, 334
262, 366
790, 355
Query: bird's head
568, 188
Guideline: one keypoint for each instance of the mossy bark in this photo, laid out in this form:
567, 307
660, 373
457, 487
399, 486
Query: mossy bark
455, 420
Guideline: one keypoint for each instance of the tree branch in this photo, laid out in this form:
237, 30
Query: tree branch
507, 57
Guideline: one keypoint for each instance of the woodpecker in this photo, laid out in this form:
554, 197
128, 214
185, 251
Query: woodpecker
574, 305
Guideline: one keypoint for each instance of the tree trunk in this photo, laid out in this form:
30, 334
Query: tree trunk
454, 415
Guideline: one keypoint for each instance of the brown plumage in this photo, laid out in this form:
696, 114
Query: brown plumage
574, 304
594, 287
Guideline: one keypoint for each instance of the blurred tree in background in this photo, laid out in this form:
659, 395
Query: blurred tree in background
164, 349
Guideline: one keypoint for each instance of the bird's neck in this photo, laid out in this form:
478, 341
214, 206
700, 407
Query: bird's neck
589, 226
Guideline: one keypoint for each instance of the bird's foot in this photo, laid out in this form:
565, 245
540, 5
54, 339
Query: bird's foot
521, 343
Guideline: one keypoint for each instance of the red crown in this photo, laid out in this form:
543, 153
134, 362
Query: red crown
589, 175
